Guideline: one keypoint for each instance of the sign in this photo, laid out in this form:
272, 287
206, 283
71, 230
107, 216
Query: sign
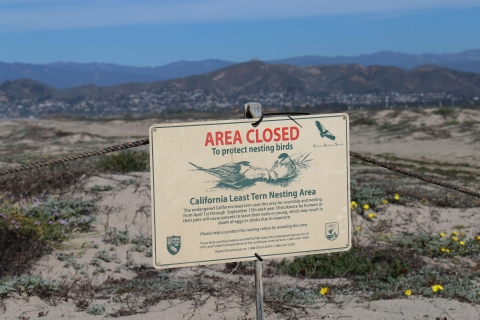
224, 190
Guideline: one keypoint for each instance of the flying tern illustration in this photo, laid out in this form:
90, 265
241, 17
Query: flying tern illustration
324, 133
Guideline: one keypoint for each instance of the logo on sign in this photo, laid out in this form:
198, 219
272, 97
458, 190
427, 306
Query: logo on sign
173, 244
324, 133
331, 230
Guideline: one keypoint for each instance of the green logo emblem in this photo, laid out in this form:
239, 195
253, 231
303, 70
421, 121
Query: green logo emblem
324, 133
331, 230
173, 244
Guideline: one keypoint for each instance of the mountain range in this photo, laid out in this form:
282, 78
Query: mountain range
256, 77
62, 75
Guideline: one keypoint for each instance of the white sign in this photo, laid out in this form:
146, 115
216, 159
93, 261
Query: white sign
224, 190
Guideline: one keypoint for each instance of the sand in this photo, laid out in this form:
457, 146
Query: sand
426, 137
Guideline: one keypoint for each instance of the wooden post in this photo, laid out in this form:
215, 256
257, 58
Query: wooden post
259, 289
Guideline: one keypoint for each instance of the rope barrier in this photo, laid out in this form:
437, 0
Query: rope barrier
414, 175
146, 141
75, 157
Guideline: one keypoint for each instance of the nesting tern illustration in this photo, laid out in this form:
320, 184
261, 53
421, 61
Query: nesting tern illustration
242, 174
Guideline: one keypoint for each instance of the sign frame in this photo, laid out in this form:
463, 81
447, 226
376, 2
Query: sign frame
330, 226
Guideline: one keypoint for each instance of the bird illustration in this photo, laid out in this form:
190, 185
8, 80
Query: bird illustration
229, 173
242, 174
284, 167
324, 133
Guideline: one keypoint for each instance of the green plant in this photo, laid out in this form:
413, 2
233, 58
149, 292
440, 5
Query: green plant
292, 295
367, 194
96, 309
116, 237
98, 188
435, 245
452, 122
105, 256
363, 121
129, 182
125, 161
73, 214
369, 262
143, 240
456, 286
95, 262
30, 285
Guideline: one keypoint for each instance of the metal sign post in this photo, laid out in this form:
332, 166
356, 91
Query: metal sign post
259, 287
254, 110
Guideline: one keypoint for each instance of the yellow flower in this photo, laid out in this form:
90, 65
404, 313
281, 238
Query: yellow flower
454, 233
408, 292
324, 290
358, 228
454, 238
442, 234
385, 201
366, 207
442, 249
353, 205
372, 215
447, 250
462, 243
478, 238
396, 196
437, 287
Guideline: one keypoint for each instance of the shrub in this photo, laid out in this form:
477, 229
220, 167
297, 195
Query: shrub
125, 161
444, 111
368, 262
27, 232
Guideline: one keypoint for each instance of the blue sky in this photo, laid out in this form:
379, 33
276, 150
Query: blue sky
150, 33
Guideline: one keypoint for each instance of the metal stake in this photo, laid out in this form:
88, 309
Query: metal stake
254, 110
259, 289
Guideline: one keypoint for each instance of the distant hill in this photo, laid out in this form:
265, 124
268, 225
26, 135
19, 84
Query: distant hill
257, 77
277, 86
69, 74
468, 61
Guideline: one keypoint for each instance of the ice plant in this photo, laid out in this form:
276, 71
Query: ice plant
408, 292
372, 215
396, 196
437, 287
324, 291
366, 207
